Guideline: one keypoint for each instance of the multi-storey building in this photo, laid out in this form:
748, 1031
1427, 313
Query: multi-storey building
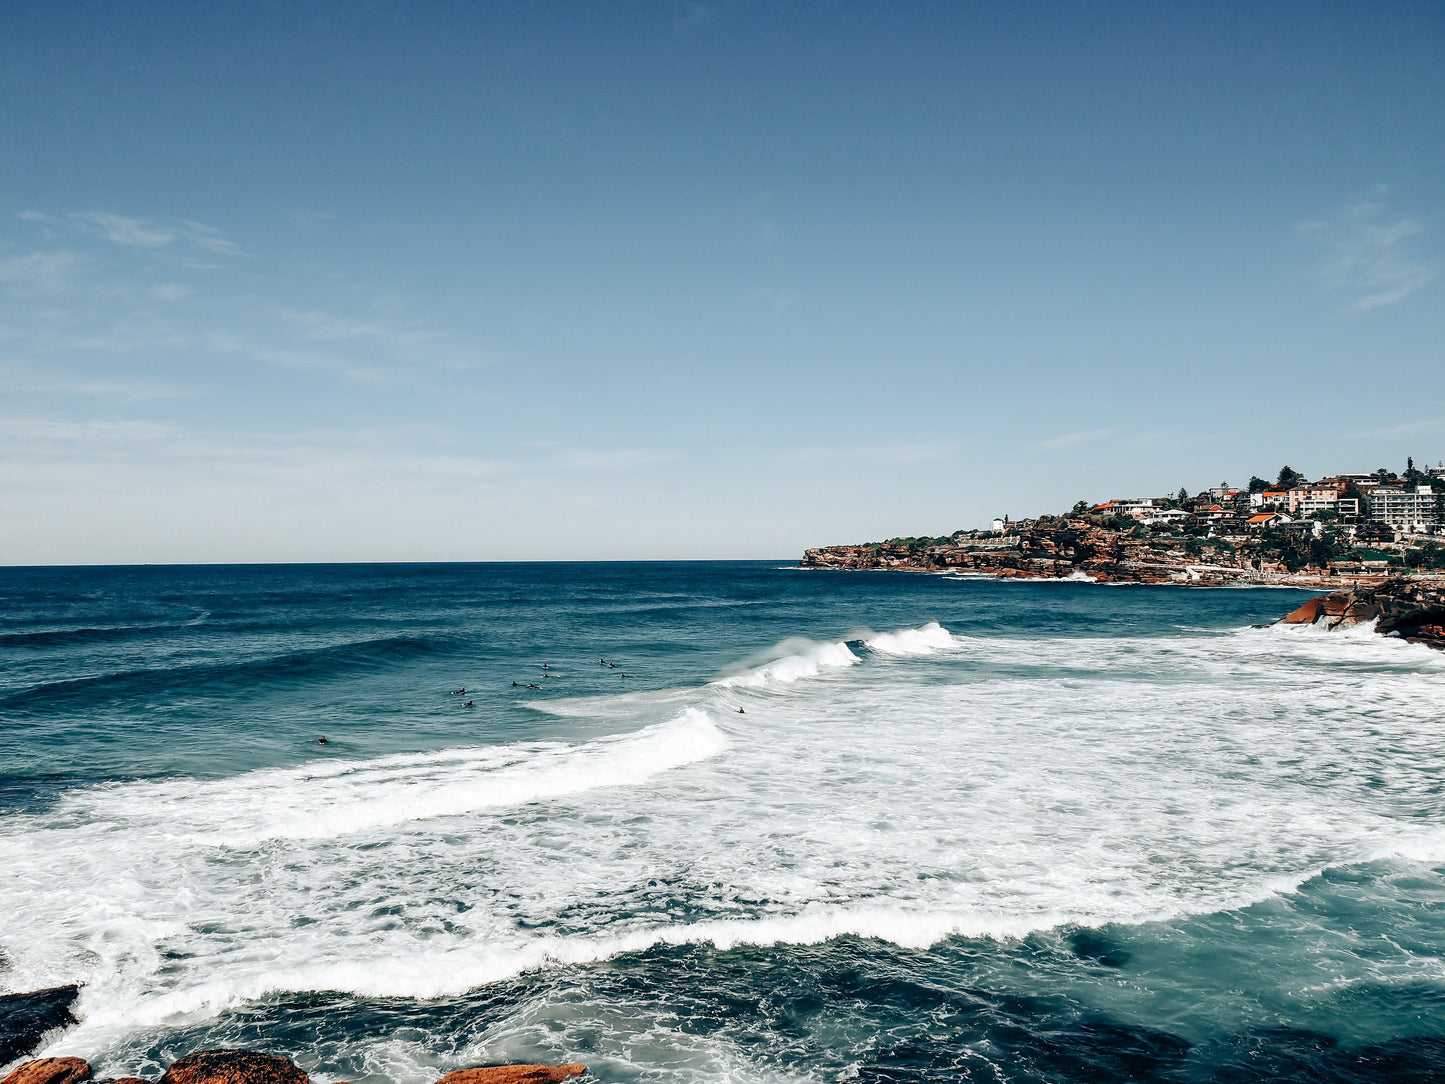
1405, 509
1317, 494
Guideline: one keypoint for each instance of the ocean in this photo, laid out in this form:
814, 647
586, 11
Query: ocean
811, 826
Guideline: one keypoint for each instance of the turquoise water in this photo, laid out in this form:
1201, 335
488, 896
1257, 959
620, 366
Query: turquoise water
961, 829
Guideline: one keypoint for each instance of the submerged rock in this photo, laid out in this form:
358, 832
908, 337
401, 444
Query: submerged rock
50, 1071
26, 1018
234, 1067
514, 1074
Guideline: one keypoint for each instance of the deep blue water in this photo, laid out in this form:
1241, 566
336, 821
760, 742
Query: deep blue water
961, 829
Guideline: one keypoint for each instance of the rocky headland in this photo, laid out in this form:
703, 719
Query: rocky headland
1060, 548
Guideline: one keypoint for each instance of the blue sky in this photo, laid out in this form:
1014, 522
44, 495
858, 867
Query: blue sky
367, 281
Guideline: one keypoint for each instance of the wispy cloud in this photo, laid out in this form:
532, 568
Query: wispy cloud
900, 453
610, 461
1402, 429
44, 272
125, 288
1071, 440
141, 234
1370, 253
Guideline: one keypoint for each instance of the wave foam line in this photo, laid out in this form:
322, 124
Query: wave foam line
452, 972
341, 798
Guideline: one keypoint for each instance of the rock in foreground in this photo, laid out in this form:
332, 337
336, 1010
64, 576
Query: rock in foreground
234, 1067
514, 1074
249, 1067
26, 1018
50, 1071
1412, 610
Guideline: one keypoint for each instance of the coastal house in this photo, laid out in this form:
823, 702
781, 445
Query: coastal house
1267, 519
1166, 516
1269, 498
1137, 507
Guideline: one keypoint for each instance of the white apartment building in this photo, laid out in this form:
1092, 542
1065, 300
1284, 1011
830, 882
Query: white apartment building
1405, 509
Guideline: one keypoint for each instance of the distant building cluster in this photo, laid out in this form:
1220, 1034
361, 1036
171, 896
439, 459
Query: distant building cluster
1412, 504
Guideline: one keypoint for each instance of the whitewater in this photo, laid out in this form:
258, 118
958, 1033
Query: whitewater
874, 826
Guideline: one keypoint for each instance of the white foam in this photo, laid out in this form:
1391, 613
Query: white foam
927, 640
807, 662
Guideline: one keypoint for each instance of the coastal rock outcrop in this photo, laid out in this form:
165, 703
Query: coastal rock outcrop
1412, 610
234, 1067
50, 1071
514, 1074
25, 1019
250, 1067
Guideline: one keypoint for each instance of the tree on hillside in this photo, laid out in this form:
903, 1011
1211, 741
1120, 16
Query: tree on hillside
1257, 484
1383, 476
1288, 477
1416, 477
1182, 497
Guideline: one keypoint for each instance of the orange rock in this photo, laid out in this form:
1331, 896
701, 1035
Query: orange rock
234, 1067
514, 1074
50, 1071
126, 1080
1305, 615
